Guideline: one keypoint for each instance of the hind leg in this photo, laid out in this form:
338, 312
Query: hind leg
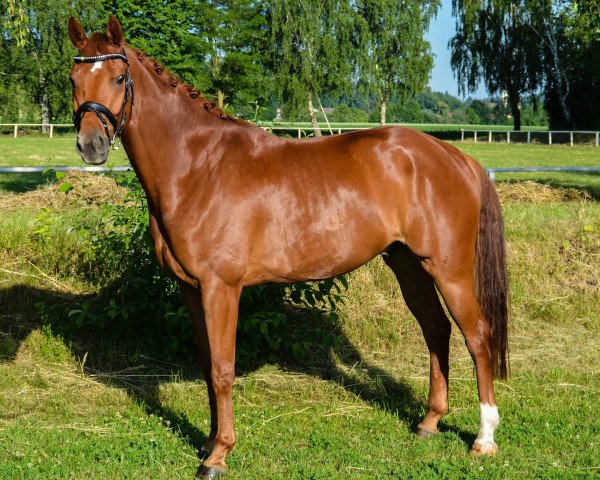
421, 298
457, 289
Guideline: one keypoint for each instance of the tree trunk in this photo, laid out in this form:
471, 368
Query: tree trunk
514, 101
382, 112
313, 118
220, 99
45, 108
562, 81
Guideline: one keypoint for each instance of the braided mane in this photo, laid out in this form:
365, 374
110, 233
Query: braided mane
98, 41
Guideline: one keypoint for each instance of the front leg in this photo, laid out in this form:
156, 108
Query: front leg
220, 303
193, 301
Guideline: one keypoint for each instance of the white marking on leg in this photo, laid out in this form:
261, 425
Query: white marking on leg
489, 422
96, 66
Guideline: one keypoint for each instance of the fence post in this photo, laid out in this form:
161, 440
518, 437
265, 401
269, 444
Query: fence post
508, 137
51, 130
339, 131
490, 136
528, 136
550, 137
16, 130
462, 136
571, 138
598, 139
475, 136
299, 136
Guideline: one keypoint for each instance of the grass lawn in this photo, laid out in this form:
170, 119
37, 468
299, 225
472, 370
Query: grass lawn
96, 404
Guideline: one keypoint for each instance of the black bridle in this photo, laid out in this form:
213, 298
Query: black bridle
100, 110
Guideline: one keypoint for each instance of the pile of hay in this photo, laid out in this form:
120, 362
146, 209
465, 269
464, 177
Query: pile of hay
533, 192
89, 189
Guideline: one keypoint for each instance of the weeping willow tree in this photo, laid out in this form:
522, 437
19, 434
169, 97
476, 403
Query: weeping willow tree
395, 58
313, 50
495, 43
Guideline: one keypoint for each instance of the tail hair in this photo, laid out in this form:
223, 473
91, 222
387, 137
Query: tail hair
492, 276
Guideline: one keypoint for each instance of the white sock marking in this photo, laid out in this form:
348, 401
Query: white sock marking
489, 422
96, 66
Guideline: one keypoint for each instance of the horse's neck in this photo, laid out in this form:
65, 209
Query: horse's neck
162, 120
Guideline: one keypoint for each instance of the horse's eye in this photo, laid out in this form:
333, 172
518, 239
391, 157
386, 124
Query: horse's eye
120, 80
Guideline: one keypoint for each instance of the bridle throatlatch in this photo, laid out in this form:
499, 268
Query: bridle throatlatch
100, 110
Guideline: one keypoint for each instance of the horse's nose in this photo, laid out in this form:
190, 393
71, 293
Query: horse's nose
79, 146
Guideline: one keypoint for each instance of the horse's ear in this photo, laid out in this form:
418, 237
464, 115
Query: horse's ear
114, 31
76, 33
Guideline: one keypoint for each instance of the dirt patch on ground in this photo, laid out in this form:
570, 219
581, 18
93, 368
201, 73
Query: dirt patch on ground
88, 189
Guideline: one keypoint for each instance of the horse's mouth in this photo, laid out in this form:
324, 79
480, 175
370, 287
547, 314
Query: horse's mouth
94, 159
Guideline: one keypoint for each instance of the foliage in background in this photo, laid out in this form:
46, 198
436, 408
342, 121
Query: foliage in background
572, 38
136, 295
346, 53
395, 60
496, 44
313, 49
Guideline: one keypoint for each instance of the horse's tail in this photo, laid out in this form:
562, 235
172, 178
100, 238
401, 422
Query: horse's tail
491, 274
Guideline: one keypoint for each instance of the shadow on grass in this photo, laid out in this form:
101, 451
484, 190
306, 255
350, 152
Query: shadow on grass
113, 353
21, 182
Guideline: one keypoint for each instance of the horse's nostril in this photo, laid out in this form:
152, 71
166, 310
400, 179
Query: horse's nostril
98, 143
79, 146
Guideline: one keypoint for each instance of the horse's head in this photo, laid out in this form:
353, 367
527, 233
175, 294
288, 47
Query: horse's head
102, 89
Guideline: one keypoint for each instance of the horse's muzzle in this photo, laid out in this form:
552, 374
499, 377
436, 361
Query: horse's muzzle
93, 148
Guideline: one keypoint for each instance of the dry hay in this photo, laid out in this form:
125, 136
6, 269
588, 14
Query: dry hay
89, 189
533, 192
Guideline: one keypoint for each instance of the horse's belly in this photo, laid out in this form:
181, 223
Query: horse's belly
313, 255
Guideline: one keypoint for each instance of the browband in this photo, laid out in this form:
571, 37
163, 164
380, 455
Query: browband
101, 58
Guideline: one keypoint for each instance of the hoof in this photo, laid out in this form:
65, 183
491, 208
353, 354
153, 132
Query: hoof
209, 472
423, 432
484, 448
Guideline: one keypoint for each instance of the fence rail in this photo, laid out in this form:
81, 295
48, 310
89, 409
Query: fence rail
512, 133
490, 171
49, 126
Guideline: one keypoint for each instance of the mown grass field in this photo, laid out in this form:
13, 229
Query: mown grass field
94, 404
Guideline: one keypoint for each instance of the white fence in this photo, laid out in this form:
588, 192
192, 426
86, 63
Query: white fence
465, 134
49, 127
477, 135
490, 171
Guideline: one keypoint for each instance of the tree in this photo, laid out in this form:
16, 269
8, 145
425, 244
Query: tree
238, 37
313, 43
572, 33
395, 58
170, 32
37, 54
495, 43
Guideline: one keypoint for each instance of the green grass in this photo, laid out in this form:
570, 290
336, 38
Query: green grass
98, 405
522, 155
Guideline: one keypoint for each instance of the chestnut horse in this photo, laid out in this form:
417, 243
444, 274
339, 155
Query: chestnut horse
232, 205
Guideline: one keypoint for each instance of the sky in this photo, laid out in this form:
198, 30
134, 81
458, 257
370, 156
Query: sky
441, 31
